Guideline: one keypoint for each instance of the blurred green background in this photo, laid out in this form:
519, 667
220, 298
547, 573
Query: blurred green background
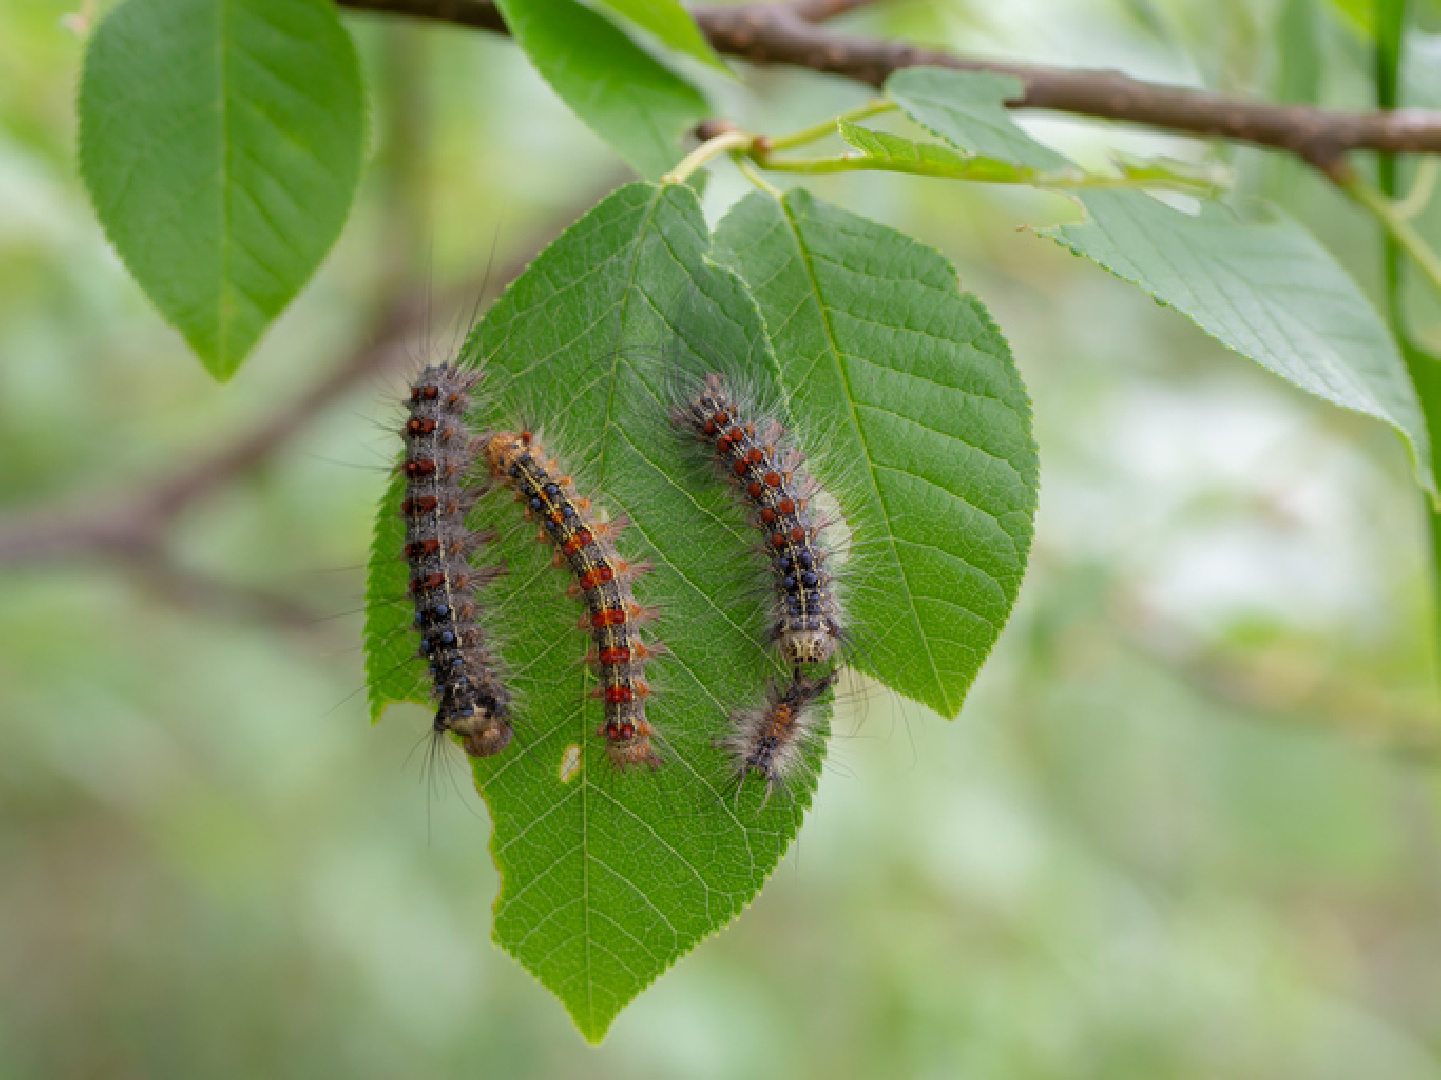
1186, 826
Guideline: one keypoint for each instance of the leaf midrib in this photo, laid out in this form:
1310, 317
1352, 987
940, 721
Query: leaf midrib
834, 347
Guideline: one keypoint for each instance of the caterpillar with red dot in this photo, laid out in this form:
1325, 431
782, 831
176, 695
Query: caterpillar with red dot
602, 579
440, 452
772, 739
761, 461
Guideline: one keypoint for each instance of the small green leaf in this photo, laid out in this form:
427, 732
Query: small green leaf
966, 109
1266, 289
928, 159
221, 141
926, 426
626, 96
672, 24
609, 878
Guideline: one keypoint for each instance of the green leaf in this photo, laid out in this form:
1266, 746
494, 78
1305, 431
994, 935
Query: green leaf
609, 878
927, 431
627, 97
1267, 290
883, 150
672, 24
221, 141
928, 159
966, 109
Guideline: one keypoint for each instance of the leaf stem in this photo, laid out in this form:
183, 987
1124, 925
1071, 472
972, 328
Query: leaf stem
1422, 187
1397, 225
751, 173
711, 148
874, 107
978, 170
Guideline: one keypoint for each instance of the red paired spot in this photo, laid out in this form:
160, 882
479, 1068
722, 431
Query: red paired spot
420, 467
753, 490
599, 576
740, 467
735, 434
787, 506
420, 426
615, 656
773, 479
608, 617
767, 515
778, 539
429, 581
618, 695
722, 418
429, 546
798, 534
423, 505
755, 456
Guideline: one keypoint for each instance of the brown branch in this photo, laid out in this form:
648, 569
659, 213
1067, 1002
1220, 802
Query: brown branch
131, 530
785, 34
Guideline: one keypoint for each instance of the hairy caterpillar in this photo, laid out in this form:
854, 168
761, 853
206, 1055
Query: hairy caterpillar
761, 461
772, 739
602, 579
439, 453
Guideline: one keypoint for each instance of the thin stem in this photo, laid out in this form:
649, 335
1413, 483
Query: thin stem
828, 127
711, 148
977, 170
1397, 227
751, 173
1422, 187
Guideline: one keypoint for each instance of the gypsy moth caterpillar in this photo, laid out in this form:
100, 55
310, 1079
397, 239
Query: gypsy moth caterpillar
586, 544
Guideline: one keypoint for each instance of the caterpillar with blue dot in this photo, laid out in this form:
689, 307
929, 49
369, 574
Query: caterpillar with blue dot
602, 578
440, 451
762, 463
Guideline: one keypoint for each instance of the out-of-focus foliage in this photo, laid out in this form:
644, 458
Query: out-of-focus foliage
1187, 825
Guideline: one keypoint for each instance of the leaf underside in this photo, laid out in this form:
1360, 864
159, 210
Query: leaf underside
1264, 286
1268, 290
627, 97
